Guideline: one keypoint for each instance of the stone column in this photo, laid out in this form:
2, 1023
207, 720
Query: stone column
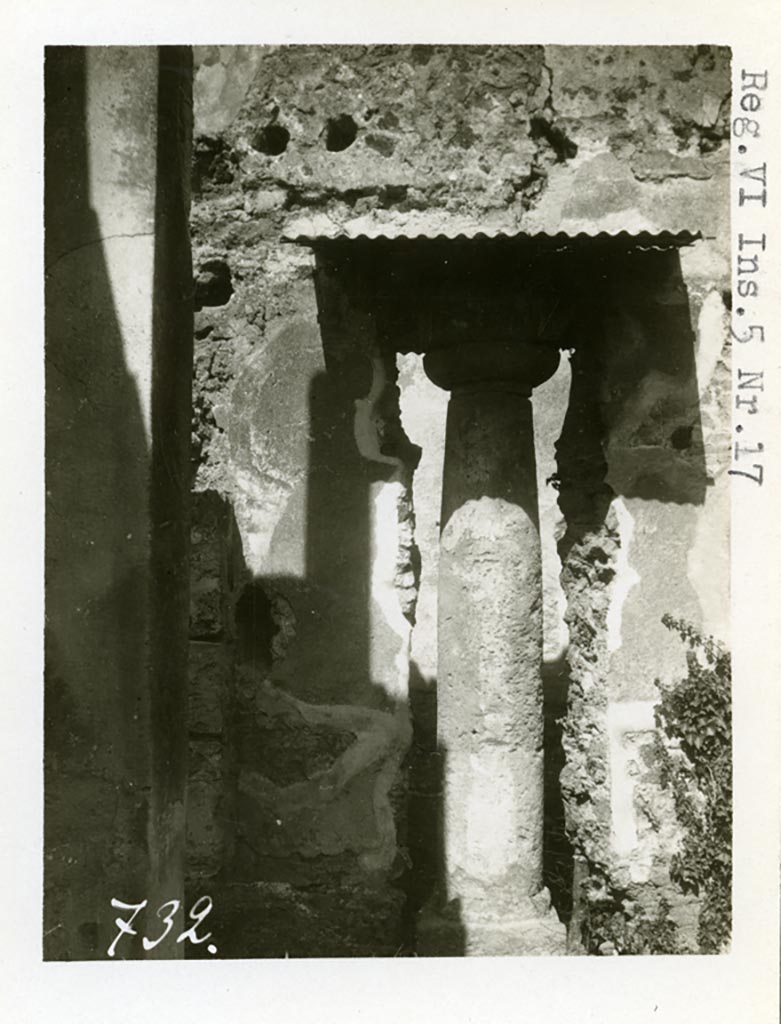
490, 722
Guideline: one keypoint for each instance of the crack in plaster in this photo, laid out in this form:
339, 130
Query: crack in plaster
96, 241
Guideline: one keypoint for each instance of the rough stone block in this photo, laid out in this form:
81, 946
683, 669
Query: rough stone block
204, 831
208, 547
210, 681
206, 761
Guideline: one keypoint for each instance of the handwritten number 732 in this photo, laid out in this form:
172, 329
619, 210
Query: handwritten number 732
166, 913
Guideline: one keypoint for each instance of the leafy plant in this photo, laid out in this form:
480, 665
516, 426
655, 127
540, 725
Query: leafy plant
695, 714
618, 926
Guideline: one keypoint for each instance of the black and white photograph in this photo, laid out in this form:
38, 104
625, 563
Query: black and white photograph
404, 407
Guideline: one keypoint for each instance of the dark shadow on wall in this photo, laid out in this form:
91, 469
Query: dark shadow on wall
632, 429
97, 466
275, 897
557, 854
310, 637
327, 647
169, 487
287, 884
425, 779
216, 575
307, 630
327, 659
349, 280
425, 884
634, 387
116, 533
651, 403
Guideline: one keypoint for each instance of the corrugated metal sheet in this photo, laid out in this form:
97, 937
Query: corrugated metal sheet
560, 240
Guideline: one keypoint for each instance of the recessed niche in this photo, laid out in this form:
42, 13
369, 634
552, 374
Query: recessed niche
272, 140
213, 284
340, 133
255, 627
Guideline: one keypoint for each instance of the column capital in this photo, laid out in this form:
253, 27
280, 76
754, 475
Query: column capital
492, 365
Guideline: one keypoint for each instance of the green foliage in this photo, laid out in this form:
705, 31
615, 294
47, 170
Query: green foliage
695, 714
616, 925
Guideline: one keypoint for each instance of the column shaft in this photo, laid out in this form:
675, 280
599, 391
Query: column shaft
490, 637
490, 723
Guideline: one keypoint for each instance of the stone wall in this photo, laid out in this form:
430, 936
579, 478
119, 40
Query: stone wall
643, 487
318, 460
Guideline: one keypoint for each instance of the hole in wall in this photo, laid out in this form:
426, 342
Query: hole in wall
212, 162
388, 121
213, 284
381, 144
541, 128
681, 438
272, 140
255, 627
340, 133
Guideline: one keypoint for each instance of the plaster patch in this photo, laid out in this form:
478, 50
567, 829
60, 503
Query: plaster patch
707, 562
122, 182
424, 413
366, 419
385, 548
386, 541
549, 405
711, 333
258, 507
625, 719
130, 263
625, 576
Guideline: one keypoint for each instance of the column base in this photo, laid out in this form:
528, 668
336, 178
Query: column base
440, 934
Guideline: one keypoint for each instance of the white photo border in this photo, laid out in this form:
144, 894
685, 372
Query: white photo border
740, 985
